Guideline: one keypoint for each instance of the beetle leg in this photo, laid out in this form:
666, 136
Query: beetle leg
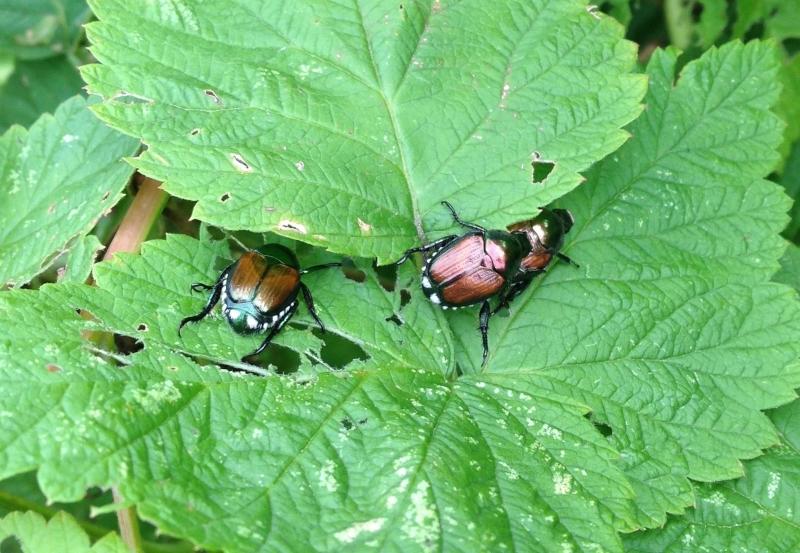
200, 287
318, 267
486, 312
426, 248
458, 220
212, 300
310, 305
563, 257
273, 332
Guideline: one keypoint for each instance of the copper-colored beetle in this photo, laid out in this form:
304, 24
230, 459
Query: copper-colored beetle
259, 292
471, 268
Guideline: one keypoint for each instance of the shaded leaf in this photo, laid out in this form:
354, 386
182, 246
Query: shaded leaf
60, 533
80, 258
37, 87
37, 29
790, 267
56, 180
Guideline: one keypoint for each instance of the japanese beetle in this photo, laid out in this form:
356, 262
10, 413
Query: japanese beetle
546, 233
259, 292
471, 268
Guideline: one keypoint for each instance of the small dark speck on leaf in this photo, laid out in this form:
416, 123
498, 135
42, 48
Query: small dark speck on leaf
225, 197
173, 368
194, 132
52, 368
348, 423
105, 196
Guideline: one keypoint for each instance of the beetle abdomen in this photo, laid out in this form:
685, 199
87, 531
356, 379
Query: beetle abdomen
462, 255
473, 287
468, 271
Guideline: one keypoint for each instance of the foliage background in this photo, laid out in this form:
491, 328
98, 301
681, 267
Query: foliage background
642, 403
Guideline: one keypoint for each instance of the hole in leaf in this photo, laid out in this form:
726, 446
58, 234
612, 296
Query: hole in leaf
353, 273
239, 163
125, 97
387, 276
601, 427
225, 197
213, 95
338, 351
127, 345
291, 225
541, 167
285, 360
405, 297
142, 327
394, 319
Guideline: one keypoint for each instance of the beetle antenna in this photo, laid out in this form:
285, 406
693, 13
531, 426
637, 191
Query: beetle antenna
320, 267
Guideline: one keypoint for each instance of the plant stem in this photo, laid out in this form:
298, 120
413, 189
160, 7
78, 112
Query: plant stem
94, 531
128, 524
139, 219
143, 212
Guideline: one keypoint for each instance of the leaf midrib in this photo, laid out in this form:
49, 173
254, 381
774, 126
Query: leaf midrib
396, 132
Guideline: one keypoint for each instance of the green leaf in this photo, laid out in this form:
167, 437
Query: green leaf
781, 18
131, 302
790, 268
788, 107
60, 533
394, 455
755, 513
37, 87
669, 330
37, 29
6, 67
346, 125
713, 21
790, 179
56, 180
783, 21
619, 10
80, 259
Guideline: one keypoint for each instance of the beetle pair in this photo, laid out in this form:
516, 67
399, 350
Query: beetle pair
472, 268
259, 291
